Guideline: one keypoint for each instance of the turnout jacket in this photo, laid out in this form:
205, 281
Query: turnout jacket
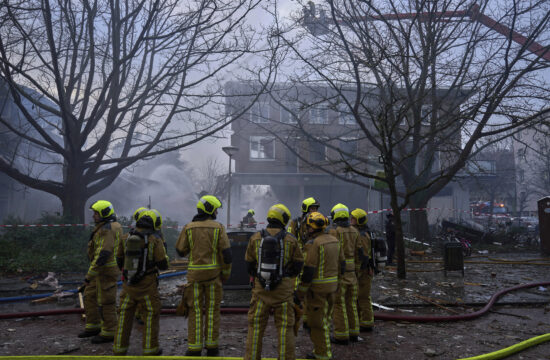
293, 262
298, 228
323, 265
353, 251
365, 240
104, 240
208, 247
156, 253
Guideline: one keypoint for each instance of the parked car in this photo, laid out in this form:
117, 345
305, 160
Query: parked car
529, 222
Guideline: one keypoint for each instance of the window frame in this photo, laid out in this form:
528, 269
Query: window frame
259, 138
315, 110
292, 117
256, 115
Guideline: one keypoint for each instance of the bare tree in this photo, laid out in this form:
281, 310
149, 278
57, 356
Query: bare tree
209, 178
95, 86
416, 83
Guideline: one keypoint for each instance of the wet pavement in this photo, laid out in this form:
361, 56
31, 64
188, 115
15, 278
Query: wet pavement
518, 316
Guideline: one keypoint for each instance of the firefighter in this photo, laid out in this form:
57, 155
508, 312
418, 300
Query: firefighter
298, 229
135, 216
100, 281
324, 265
206, 243
358, 220
296, 226
248, 220
346, 317
274, 259
144, 246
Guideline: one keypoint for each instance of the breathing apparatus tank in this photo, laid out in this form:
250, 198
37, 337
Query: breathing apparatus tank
270, 262
135, 256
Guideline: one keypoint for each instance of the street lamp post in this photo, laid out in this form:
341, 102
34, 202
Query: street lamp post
230, 151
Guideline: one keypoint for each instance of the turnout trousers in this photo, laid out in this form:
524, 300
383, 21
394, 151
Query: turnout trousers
318, 319
258, 315
346, 316
100, 305
147, 299
203, 325
364, 300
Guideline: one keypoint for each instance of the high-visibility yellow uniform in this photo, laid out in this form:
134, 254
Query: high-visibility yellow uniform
206, 243
364, 281
323, 265
280, 299
144, 294
103, 273
345, 315
297, 227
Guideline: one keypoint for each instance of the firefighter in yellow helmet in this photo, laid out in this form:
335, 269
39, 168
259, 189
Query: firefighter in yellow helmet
205, 241
100, 281
135, 216
141, 255
274, 259
323, 267
346, 316
358, 220
248, 220
297, 226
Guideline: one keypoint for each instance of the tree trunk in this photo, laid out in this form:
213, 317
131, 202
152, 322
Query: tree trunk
400, 247
73, 203
419, 221
74, 195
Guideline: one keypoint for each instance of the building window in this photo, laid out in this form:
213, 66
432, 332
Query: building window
345, 116
426, 114
318, 115
288, 113
317, 151
348, 148
259, 112
262, 147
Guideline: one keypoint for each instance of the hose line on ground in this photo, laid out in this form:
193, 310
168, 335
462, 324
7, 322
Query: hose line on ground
511, 349
40, 296
377, 315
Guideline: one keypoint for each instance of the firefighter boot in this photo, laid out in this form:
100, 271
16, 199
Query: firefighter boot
102, 339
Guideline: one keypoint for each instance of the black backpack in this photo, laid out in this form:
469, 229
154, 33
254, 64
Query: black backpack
271, 258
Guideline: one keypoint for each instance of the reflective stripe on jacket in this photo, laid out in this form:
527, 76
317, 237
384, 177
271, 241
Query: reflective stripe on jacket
204, 241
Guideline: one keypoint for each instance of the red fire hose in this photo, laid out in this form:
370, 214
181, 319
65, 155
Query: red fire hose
377, 315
